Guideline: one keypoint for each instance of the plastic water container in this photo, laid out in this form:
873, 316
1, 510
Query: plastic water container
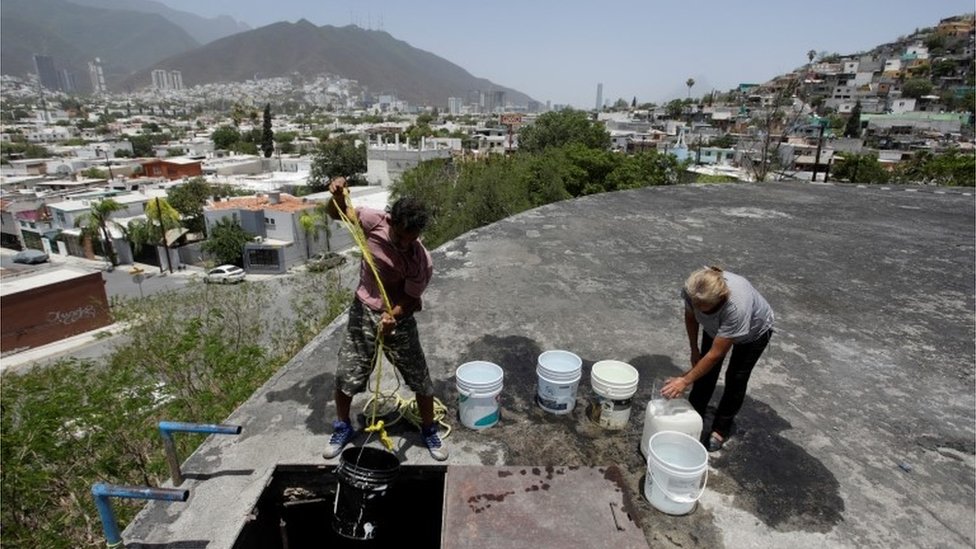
677, 472
614, 384
559, 374
670, 415
479, 384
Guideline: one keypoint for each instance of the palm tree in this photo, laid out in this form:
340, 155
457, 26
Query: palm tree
309, 221
690, 82
162, 216
313, 223
811, 54
95, 222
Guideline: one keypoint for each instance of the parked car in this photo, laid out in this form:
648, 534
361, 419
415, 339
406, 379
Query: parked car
31, 257
324, 261
225, 274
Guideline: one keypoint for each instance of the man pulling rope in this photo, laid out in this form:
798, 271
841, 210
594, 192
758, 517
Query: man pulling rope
403, 268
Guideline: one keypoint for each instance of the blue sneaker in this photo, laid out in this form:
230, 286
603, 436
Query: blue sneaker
438, 450
342, 433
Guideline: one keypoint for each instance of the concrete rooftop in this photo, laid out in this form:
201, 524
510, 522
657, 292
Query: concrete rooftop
858, 428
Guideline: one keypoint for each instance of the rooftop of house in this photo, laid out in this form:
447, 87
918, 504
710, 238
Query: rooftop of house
284, 203
860, 414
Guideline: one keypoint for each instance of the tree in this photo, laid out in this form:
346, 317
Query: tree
761, 151
188, 199
225, 137
94, 173
226, 242
811, 55
336, 158
859, 168
690, 83
267, 134
95, 222
853, 127
560, 128
162, 217
674, 108
916, 87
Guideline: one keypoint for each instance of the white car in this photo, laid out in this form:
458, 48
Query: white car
225, 274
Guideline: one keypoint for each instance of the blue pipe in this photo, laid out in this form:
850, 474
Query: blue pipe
101, 492
166, 427
166, 430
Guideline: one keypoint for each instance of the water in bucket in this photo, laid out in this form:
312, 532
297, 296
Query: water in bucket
614, 384
479, 384
559, 374
677, 472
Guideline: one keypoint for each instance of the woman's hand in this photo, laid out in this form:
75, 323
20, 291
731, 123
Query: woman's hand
674, 387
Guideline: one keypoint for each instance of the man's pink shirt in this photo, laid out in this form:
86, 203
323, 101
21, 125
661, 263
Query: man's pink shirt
403, 273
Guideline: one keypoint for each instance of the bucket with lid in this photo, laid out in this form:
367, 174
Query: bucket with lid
479, 384
614, 384
559, 375
677, 472
365, 476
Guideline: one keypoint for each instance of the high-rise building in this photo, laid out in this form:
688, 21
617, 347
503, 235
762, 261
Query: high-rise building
48, 75
599, 96
454, 105
66, 81
97, 76
160, 79
498, 101
176, 80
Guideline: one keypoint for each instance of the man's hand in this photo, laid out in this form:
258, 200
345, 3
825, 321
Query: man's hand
674, 387
387, 324
337, 184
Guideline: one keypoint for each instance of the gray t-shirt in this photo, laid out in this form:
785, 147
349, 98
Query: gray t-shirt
743, 318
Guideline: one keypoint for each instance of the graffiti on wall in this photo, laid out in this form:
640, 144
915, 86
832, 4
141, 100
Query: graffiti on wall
70, 317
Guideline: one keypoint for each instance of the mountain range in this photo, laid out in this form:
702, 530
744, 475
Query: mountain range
373, 58
133, 37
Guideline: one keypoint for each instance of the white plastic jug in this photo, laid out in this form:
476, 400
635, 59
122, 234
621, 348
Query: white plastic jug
670, 415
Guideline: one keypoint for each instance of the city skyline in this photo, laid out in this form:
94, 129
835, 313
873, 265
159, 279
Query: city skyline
635, 49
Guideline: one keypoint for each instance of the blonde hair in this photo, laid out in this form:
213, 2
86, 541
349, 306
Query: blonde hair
707, 286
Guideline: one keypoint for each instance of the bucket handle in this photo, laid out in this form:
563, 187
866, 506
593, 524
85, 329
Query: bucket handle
676, 498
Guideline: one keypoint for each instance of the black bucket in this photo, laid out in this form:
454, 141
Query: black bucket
365, 476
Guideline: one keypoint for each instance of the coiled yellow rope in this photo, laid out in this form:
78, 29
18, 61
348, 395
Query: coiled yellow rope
406, 408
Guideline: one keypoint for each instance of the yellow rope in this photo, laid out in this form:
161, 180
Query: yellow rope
406, 408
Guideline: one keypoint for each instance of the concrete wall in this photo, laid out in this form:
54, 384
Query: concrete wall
52, 312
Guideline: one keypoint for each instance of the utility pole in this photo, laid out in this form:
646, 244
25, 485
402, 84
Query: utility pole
816, 162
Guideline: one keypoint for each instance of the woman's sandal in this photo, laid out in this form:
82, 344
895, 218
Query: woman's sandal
715, 443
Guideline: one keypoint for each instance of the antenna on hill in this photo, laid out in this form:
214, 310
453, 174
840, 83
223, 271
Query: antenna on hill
380, 23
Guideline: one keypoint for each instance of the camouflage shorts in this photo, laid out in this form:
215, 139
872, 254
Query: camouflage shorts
358, 349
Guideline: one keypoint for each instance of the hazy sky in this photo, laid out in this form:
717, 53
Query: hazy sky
560, 50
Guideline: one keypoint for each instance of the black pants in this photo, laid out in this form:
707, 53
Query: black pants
743, 359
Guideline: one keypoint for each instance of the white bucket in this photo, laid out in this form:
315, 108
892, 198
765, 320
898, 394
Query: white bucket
670, 415
478, 383
559, 374
677, 472
614, 384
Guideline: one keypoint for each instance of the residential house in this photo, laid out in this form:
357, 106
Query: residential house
386, 162
172, 168
273, 219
